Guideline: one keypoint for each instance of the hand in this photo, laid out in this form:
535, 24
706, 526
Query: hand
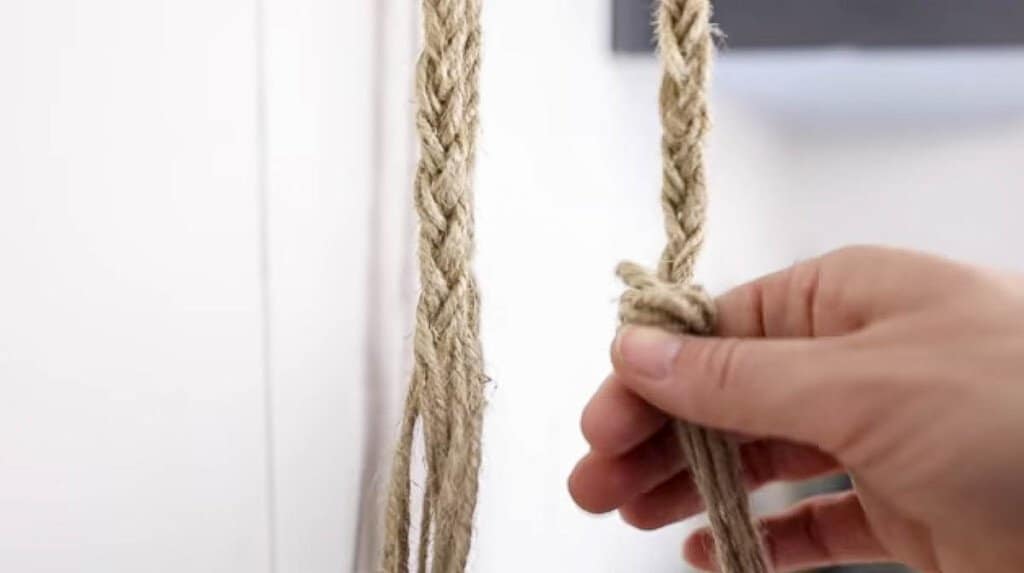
904, 370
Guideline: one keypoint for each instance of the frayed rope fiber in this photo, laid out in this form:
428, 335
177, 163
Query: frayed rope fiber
446, 390
667, 299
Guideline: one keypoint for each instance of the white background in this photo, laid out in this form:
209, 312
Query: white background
205, 280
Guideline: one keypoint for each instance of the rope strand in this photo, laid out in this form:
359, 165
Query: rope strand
446, 390
668, 299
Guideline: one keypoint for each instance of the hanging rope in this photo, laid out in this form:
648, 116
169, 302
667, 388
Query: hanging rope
446, 391
668, 299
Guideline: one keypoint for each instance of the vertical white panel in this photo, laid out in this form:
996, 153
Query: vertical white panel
131, 413
339, 108
392, 293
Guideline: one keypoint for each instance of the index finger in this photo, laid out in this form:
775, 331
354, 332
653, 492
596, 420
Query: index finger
835, 294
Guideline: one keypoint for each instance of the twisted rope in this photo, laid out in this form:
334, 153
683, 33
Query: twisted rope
667, 299
446, 390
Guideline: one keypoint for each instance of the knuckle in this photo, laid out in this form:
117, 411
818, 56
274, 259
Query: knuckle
707, 369
826, 297
664, 454
723, 361
771, 547
590, 427
855, 252
759, 464
977, 279
810, 524
638, 518
805, 296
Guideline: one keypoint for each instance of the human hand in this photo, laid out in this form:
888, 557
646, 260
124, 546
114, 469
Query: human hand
904, 370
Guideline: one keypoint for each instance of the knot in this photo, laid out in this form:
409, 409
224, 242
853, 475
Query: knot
651, 301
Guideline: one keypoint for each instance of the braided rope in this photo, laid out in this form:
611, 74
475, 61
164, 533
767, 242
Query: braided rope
668, 299
446, 390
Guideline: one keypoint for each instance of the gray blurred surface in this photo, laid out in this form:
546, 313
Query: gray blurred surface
864, 23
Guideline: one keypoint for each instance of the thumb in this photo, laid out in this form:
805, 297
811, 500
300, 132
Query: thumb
796, 389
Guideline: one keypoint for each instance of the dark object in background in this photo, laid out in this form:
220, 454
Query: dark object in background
860, 23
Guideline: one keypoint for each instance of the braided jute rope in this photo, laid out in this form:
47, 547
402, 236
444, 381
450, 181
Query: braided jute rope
668, 299
446, 390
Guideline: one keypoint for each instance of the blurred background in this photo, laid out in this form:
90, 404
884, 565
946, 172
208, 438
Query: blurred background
206, 278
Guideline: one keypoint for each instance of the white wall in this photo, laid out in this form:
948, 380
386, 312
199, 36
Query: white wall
956, 190
205, 278
131, 382
320, 162
917, 149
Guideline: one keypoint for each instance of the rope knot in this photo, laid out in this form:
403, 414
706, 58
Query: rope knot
652, 301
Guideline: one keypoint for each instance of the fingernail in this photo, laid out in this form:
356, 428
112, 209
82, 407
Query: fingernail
648, 352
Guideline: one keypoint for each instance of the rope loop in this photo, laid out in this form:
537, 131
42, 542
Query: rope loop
650, 301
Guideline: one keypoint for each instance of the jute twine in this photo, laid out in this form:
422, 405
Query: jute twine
446, 391
667, 299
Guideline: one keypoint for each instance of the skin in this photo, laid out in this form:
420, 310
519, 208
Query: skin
904, 370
